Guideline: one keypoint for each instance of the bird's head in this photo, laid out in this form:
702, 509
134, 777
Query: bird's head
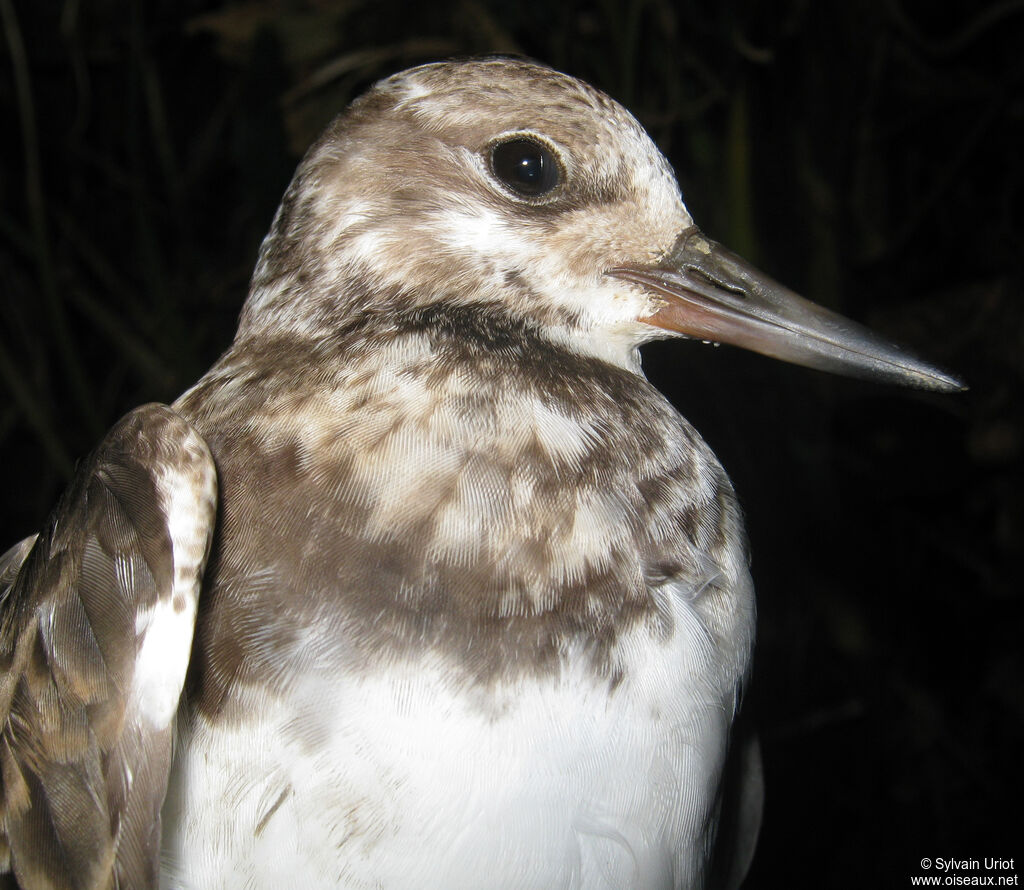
503, 184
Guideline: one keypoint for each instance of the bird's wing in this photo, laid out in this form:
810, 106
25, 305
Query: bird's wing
742, 802
96, 621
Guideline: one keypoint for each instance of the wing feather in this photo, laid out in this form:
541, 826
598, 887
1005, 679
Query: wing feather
96, 622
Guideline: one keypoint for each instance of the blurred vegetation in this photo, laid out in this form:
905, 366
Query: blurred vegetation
867, 153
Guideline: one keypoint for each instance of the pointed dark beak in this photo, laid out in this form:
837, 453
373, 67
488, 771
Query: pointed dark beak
710, 293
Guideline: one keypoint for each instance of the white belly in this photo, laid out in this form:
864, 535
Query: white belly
399, 780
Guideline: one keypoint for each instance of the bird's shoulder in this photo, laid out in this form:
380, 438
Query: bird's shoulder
96, 622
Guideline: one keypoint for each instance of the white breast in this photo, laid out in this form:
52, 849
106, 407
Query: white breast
399, 780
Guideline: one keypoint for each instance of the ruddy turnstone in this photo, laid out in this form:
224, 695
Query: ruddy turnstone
476, 612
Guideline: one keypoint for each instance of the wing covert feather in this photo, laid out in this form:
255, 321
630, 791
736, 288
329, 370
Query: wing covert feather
96, 622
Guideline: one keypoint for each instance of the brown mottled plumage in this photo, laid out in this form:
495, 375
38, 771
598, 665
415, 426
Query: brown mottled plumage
85, 748
477, 610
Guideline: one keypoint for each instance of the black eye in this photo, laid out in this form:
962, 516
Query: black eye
525, 166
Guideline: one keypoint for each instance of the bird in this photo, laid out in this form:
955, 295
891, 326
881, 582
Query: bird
422, 584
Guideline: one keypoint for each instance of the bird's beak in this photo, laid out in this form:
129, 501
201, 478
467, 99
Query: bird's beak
710, 293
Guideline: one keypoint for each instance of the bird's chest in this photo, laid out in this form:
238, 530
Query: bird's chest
496, 529
459, 637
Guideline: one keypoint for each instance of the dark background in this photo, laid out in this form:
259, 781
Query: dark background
868, 154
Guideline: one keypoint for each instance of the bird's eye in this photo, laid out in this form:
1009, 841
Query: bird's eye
526, 166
